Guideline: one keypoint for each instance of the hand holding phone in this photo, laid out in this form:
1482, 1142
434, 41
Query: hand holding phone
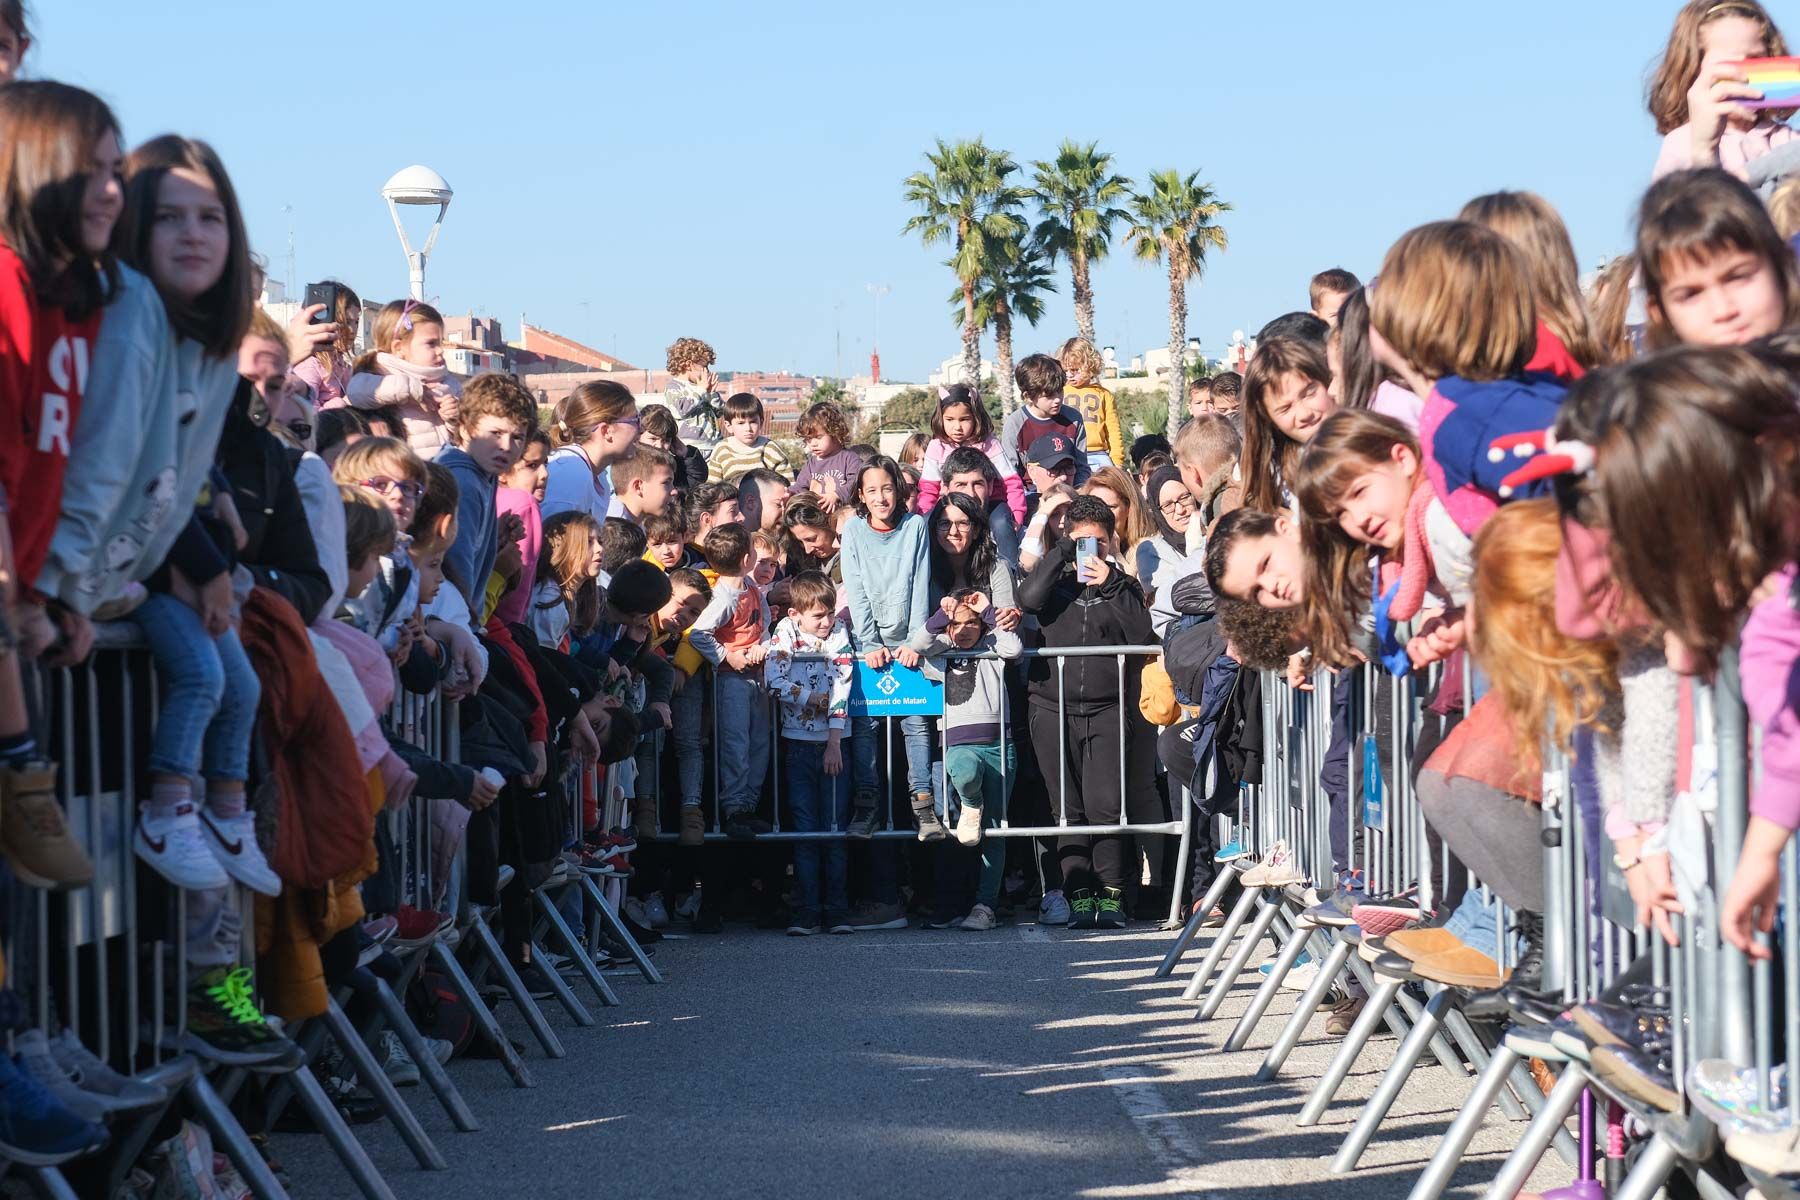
1087, 549
1772, 82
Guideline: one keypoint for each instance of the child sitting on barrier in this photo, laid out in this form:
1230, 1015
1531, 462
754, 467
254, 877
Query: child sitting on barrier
1077, 706
729, 635
978, 766
808, 672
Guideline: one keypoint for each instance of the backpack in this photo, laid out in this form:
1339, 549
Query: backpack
439, 1011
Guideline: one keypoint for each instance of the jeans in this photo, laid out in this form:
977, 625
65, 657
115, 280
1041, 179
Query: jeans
817, 802
209, 698
688, 707
870, 737
212, 927
981, 775
741, 712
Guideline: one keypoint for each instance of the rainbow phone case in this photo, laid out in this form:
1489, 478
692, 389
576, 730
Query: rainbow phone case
1778, 79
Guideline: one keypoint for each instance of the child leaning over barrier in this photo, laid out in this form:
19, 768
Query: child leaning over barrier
808, 672
978, 765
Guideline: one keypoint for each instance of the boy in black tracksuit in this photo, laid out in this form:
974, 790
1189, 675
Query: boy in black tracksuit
1104, 608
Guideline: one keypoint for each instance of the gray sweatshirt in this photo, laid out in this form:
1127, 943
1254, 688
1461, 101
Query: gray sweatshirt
974, 688
144, 440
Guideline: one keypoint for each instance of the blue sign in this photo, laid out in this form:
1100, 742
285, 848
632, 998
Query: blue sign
894, 691
1374, 799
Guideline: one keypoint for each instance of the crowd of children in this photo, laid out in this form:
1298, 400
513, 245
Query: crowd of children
1465, 458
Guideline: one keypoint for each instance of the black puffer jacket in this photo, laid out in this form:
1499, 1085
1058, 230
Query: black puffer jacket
1071, 613
280, 552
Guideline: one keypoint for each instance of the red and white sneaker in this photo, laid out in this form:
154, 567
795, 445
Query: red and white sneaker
418, 926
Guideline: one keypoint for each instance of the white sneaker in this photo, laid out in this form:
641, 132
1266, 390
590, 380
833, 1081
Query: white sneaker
176, 849
1277, 869
233, 843
1053, 909
1300, 976
968, 826
657, 911
634, 910
688, 909
396, 1063
981, 917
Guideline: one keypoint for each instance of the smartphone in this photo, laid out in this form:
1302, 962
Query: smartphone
1778, 79
321, 293
1087, 549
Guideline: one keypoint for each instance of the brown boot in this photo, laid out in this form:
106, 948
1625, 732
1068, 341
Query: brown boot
693, 825
34, 834
643, 816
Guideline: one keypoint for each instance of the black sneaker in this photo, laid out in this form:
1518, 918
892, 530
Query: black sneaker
537, 983
708, 920
1109, 909
225, 1026
863, 817
1084, 910
804, 924
742, 826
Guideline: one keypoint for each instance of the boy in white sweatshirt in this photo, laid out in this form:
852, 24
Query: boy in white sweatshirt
808, 672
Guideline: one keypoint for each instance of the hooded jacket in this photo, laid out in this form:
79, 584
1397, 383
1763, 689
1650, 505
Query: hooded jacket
1073, 614
150, 422
1460, 421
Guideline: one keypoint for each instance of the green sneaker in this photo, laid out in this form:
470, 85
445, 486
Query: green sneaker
224, 1025
1110, 909
1083, 911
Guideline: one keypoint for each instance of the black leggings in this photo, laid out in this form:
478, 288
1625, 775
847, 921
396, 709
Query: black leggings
1086, 787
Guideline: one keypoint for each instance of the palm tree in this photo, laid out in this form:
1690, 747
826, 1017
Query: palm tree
1012, 284
1175, 222
965, 199
1078, 197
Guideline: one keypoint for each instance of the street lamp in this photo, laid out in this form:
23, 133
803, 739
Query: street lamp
417, 185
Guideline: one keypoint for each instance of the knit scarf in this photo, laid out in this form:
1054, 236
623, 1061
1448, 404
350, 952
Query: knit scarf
1415, 569
393, 364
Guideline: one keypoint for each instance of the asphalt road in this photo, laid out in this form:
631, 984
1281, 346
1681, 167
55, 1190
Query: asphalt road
1026, 1063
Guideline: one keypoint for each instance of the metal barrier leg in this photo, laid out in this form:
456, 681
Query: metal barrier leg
1652, 1170
1303, 1013
1216, 951
1265, 995
375, 1081
49, 1183
485, 1020
1360, 1033
559, 987
1406, 1010
1478, 1053
1444, 1160
1518, 1165
489, 948
229, 1136
1378, 1105
1235, 967
1167, 966
576, 951
343, 1143
609, 916
430, 1069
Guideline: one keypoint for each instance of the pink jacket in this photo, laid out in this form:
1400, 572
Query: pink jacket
514, 605
426, 397
1736, 149
1769, 675
328, 386
931, 476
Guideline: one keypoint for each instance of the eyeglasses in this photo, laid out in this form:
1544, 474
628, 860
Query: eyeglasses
633, 420
406, 487
1182, 505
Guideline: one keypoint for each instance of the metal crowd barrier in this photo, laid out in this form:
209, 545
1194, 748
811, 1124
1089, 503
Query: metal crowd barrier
1721, 1007
92, 959
893, 829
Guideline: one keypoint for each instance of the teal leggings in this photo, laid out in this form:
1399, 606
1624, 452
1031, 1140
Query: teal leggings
981, 777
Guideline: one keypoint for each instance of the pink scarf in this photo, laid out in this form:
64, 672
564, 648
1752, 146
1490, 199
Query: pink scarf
1415, 569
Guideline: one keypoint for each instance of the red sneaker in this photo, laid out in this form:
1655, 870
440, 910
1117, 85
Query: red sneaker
418, 926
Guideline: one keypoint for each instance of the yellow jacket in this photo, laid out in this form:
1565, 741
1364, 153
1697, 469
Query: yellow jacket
1156, 698
1100, 414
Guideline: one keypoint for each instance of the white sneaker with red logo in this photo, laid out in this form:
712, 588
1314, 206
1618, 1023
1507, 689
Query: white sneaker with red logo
233, 843
177, 850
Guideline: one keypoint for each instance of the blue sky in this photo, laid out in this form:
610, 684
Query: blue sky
626, 174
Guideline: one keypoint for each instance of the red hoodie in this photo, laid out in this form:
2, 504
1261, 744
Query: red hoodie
43, 368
